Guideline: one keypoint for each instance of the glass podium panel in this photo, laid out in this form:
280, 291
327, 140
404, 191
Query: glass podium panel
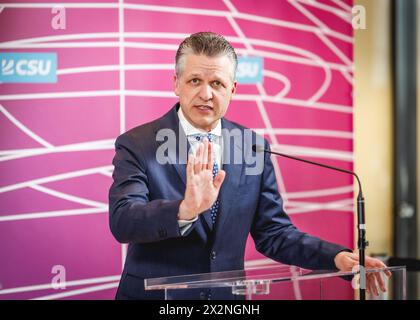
278, 282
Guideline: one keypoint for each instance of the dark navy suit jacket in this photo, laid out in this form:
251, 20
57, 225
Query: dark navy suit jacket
143, 204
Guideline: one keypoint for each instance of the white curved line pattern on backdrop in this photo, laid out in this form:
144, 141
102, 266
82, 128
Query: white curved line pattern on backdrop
261, 90
77, 292
7, 155
51, 214
347, 9
68, 197
170, 94
313, 61
184, 10
25, 129
57, 177
345, 14
46, 286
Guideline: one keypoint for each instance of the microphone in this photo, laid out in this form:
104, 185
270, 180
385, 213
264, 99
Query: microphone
361, 226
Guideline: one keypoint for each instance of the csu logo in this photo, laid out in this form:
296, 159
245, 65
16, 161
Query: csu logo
28, 67
250, 70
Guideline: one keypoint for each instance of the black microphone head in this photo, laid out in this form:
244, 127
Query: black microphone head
254, 147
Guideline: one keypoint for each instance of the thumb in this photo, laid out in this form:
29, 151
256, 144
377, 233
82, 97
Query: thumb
218, 180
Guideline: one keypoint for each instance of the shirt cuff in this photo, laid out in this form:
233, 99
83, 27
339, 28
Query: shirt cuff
184, 225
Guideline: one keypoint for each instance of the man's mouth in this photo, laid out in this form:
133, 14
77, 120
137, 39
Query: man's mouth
204, 107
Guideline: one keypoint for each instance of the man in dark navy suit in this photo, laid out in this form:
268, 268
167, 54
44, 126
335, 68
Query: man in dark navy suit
187, 216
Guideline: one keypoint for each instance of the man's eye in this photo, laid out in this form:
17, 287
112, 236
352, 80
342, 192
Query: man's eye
217, 83
195, 81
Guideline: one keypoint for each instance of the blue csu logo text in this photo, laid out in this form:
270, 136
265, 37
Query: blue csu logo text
28, 67
250, 70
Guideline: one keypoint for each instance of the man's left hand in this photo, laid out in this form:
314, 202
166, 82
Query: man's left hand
346, 261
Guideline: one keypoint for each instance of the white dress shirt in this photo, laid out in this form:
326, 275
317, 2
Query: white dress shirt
217, 145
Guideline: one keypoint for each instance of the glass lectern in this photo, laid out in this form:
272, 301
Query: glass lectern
276, 281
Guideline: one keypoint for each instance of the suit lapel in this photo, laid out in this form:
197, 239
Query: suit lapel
177, 152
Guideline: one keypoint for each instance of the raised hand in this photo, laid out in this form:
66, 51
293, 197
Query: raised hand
202, 189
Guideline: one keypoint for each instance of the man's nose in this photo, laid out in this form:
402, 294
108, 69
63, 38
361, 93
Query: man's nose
206, 92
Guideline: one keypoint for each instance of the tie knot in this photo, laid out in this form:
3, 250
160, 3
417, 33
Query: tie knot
201, 136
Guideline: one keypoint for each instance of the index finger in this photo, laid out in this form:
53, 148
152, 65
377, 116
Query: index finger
381, 282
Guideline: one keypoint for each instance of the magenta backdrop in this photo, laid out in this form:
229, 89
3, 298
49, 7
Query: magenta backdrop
56, 143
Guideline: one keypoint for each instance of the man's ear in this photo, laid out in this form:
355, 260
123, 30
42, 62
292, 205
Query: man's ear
234, 87
176, 85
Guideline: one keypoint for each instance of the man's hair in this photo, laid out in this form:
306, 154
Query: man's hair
207, 43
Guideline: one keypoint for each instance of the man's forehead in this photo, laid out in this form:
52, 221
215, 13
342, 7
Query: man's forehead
197, 72
201, 65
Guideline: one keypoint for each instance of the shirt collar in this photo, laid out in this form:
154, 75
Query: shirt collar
191, 130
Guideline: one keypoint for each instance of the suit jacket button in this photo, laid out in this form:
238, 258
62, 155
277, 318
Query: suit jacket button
162, 233
213, 255
202, 295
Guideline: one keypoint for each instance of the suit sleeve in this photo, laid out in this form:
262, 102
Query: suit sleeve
133, 218
277, 238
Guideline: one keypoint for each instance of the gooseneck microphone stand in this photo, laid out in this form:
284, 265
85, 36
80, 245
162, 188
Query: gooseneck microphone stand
361, 227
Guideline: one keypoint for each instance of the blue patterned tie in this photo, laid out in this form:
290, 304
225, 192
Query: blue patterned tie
215, 207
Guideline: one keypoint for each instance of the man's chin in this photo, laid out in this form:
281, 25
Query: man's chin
204, 125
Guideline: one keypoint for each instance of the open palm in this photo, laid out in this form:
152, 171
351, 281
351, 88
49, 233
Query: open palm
202, 189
